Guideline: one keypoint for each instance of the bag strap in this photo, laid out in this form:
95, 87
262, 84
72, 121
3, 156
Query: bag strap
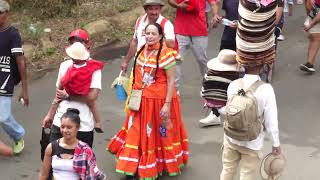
252, 89
255, 86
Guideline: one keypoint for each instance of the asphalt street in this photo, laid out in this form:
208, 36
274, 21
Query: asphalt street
297, 99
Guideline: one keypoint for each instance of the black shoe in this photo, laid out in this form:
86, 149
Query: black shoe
98, 130
307, 67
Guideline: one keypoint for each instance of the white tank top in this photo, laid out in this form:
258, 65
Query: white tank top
62, 168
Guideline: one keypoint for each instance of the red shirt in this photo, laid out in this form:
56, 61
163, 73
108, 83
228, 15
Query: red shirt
77, 81
193, 21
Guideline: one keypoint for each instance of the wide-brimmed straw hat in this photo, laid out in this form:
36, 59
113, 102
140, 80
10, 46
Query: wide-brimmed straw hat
272, 166
226, 61
78, 51
153, 2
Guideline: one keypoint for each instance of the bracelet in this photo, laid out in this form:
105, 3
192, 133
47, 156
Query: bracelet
168, 102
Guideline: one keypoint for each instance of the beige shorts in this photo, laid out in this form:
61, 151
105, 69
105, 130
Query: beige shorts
315, 28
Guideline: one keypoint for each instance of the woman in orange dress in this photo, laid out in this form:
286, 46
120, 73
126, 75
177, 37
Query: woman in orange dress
153, 139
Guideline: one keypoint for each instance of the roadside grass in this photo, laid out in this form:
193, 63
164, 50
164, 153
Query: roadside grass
31, 17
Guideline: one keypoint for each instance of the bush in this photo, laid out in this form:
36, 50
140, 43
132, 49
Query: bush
47, 8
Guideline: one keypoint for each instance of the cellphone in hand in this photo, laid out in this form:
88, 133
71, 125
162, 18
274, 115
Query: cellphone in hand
226, 22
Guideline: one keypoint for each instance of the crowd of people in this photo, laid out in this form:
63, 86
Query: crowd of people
153, 139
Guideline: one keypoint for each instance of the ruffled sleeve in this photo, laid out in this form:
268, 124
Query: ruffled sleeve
168, 58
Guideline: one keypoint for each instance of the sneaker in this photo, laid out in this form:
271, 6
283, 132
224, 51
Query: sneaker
299, 2
178, 92
307, 67
211, 120
18, 146
281, 37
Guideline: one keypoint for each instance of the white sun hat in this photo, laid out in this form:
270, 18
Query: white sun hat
78, 51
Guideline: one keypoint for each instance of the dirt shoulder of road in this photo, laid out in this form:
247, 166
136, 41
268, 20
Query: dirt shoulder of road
112, 21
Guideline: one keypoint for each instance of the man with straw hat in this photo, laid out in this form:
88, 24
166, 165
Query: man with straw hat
246, 154
152, 15
13, 69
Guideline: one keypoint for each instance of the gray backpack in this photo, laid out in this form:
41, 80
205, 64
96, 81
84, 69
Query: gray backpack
242, 121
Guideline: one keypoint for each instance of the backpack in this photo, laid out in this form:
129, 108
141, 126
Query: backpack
242, 121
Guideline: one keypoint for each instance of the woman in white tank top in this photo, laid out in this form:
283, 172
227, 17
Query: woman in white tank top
61, 156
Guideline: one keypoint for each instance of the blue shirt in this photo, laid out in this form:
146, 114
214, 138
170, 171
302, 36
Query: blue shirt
10, 48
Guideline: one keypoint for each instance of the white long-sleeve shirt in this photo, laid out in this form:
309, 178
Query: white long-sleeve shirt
267, 107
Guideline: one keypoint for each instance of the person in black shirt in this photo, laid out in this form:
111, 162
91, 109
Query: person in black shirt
12, 71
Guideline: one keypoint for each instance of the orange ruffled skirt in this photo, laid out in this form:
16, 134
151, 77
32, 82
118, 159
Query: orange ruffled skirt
145, 149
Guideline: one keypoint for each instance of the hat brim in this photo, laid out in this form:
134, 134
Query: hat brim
216, 65
85, 56
255, 17
153, 4
263, 173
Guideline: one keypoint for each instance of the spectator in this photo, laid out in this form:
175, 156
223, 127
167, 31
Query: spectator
287, 11
191, 13
13, 70
312, 27
69, 157
228, 39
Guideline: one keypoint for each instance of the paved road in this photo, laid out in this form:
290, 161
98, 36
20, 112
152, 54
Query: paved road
297, 98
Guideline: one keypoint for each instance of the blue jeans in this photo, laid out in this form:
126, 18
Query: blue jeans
7, 121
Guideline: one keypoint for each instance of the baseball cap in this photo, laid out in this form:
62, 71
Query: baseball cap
80, 33
4, 6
